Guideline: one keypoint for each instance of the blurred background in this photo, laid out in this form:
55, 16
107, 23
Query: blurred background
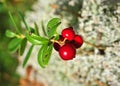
98, 21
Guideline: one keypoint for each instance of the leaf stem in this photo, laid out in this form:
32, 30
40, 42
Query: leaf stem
52, 40
20, 36
59, 42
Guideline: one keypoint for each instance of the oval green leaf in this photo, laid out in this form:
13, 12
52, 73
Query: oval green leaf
52, 26
40, 56
44, 55
10, 34
37, 40
14, 44
48, 54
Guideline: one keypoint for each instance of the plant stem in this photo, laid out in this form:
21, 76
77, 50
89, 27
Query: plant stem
59, 42
52, 40
93, 45
20, 36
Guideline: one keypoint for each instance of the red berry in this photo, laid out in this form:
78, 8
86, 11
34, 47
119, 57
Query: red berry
68, 33
67, 52
56, 45
77, 41
61, 38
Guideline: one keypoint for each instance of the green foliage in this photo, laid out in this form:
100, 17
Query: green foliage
12, 19
22, 46
10, 34
28, 55
43, 28
37, 40
36, 29
52, 26
22, 17
8, 64
44, 55
14, 44
32, 35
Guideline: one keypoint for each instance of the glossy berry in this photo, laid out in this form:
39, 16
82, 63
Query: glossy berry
67, 52
56, 45
77, 41
68, 33
61, 38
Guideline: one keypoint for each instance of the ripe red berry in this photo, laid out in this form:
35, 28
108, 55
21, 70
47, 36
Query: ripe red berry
67, 52
56, 45
68, 33
77, 41
61, 38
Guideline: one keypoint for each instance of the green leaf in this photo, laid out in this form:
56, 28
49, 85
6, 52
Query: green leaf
57, 37
40, 56
44, 55
36, 29
53, 22
48, 54
12, 19
37, 40
22, 17
52, 26
14, 44
28, 55
43, 28
10, 34
22, 46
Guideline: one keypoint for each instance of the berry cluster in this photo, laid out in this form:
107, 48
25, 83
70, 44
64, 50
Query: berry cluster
67, 44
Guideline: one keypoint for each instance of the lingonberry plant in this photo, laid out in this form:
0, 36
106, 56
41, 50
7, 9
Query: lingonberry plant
66, 43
